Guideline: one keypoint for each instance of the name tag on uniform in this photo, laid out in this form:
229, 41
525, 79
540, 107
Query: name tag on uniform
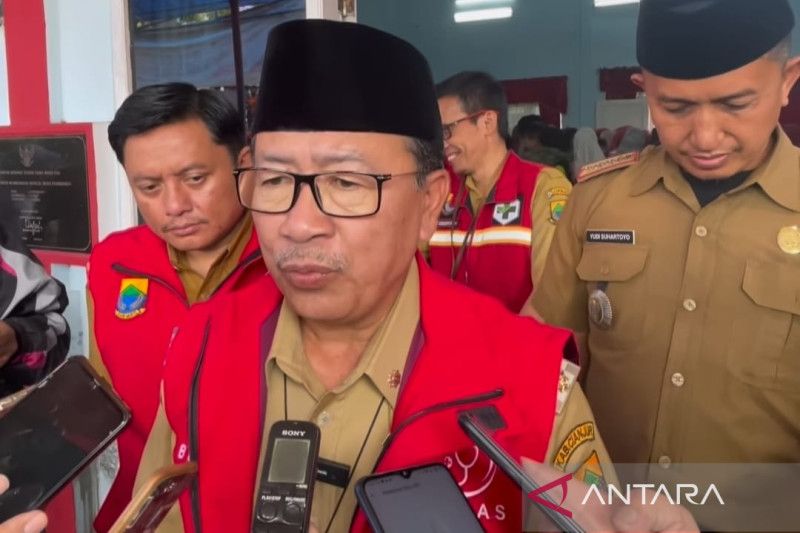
333, 473
611, 236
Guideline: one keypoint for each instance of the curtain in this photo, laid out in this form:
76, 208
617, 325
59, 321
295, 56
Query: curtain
550, 93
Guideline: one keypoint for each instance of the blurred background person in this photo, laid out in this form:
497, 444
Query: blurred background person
497, 223
34, 335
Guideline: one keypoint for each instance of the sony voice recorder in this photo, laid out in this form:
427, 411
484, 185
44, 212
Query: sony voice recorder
287, 478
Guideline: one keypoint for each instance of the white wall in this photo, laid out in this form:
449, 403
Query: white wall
544, 38
5, 120
89, 77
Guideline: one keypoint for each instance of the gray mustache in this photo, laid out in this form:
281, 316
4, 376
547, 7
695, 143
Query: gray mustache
316, 256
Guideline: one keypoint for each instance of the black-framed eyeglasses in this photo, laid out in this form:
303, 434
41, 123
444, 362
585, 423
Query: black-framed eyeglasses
447, 129
338, 194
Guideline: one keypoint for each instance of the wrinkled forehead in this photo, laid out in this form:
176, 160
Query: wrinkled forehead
751, 79
309, 150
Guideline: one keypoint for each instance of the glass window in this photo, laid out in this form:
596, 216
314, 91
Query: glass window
192, 40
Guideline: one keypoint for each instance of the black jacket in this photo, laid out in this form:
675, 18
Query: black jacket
32, 303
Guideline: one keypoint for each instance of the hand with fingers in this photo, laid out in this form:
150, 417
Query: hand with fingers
658, 516
30, 522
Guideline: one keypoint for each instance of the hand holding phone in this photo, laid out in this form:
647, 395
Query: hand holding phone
30, 522
154, 500
424, 499
481, 435
51, 434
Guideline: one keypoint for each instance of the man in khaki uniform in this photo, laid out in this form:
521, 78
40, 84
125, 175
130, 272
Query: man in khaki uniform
682, 265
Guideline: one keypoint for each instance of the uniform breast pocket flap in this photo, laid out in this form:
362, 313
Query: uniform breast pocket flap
773, 286
772, 325
611, 262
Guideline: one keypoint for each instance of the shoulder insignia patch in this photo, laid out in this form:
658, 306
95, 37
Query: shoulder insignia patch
590, 472
607, 165
579, 435
566, 379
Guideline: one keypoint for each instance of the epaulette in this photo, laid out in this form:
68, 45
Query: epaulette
607, 165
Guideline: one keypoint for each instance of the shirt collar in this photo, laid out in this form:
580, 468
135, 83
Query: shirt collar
778, 176
474, 189
240, 235
383, 360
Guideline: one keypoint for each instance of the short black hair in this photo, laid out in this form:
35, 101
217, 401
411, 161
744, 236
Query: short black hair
782, 51
528, 127
477, 91
158, 105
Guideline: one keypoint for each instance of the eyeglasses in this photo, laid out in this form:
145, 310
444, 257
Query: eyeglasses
338, 194
447, 129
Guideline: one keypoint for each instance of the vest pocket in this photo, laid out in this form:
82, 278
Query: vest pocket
769, 327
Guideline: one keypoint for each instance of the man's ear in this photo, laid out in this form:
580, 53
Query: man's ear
491, 122
790, 74
245, 158
435, 192
638, 80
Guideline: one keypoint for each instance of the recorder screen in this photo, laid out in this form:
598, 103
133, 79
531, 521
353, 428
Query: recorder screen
289, 461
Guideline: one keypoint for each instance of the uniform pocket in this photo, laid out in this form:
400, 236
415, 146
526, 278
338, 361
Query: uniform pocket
769, 327
616, 270
611, 262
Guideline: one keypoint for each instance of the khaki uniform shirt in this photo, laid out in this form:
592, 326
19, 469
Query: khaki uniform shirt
701, 359
158, 448
367, 399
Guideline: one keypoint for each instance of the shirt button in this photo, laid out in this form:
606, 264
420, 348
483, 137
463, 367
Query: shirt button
701, 231
678, 380
324, 418
689, 304
664, 461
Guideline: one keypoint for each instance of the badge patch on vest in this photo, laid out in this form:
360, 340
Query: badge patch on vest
447, 216
132, 298
505, 214
449, 207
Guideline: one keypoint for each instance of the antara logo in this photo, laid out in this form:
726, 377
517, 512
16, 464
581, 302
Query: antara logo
293, 433
682, 494
650, 493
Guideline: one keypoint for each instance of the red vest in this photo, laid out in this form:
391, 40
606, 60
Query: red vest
215, 390
498, 260
133, 324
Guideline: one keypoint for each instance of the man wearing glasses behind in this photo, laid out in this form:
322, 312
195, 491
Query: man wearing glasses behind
497, 223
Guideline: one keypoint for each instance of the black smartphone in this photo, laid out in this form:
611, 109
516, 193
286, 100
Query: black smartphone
424, 499
52, 433
287, 478
481, 435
